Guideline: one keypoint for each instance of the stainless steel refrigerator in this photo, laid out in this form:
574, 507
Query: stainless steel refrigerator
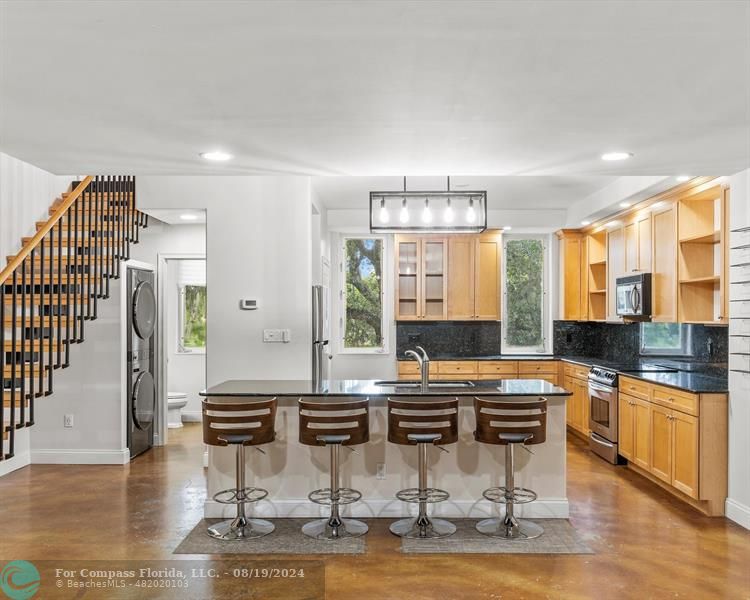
321, 328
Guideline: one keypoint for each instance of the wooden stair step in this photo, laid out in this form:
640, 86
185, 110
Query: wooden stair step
37, 320
33, 344
8, 370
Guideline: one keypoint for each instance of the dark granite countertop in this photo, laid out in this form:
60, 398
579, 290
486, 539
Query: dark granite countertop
369, 387
688, 375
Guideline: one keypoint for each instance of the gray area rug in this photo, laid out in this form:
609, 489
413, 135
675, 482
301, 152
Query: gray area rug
559, 537
286, 539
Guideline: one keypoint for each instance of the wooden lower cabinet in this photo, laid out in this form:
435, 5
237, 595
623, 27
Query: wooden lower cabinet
661, 443
578, 404
677, 438
685, 453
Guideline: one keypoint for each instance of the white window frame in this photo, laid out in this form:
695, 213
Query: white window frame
384, 293
181, 348
546, 297
686, 343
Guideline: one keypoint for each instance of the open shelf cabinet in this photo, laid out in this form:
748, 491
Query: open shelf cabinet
597, 276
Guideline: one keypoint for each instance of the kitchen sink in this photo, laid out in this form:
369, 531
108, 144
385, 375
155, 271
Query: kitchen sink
432, 384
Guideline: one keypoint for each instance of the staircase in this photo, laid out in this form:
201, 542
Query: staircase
52, 287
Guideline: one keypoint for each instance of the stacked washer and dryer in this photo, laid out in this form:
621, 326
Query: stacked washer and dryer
141, 359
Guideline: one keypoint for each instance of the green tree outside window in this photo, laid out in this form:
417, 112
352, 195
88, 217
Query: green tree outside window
193, 329
363, 293
524, 284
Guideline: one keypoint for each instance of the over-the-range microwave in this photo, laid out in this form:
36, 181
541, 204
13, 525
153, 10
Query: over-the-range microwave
633, 296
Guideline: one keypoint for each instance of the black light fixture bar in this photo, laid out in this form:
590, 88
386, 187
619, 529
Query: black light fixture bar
459, 203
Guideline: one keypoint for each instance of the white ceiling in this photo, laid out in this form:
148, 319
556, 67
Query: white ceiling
377, 88
503, 193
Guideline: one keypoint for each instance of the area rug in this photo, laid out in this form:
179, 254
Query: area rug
559, 537
286, 539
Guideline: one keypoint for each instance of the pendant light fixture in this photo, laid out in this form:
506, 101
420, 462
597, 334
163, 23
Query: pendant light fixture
444, 211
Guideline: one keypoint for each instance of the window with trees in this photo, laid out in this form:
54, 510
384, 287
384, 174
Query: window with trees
525, 310
665, 339
192, 313
363, 327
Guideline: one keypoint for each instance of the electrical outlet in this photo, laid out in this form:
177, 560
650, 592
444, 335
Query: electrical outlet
68, 421
380, 473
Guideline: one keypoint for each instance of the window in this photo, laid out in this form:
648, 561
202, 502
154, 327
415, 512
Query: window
524, 305
192, 318
665, 338
362, 323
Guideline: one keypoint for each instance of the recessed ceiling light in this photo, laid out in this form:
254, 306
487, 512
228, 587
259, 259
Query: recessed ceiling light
507, 228
611, 223
616, 155
585, 222
625, 204
189, 217
682, 178
216, 155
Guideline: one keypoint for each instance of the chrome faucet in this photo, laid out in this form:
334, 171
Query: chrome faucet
424, 366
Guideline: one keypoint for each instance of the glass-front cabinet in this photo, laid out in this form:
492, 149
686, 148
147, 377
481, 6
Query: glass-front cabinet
421, 278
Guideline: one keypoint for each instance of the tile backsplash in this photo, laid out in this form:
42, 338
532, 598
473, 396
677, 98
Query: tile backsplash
450, 339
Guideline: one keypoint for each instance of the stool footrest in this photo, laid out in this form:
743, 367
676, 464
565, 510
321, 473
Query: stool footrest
243, 496
502, 495
345, 496
429, 495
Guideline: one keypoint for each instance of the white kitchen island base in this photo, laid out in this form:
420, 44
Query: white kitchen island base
290, 470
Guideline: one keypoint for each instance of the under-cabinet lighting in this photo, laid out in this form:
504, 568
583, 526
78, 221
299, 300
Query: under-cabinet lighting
584, 223
625, 204
216, 156
616, 155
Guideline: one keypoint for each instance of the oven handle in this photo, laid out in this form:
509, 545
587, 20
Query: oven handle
601, 388
602, 441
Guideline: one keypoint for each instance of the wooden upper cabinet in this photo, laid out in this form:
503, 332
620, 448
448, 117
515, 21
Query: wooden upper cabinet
664, 271
461, 276
638, 244
448, 278
573, 280
615, 268
487, 265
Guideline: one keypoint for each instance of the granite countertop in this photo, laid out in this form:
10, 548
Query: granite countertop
686, 376
369, 387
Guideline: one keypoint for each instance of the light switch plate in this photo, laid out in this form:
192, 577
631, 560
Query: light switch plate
277, 336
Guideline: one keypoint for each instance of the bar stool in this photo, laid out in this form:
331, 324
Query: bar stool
340, 422
239, 424
422, 422
508, 423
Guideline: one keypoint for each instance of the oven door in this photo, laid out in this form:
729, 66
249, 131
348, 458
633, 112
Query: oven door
603, 407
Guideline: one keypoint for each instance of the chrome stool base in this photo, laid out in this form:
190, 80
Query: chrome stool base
240, 528
510, 529
322, 529
423, 528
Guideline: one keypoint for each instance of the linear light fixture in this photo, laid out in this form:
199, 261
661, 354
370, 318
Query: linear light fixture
445, 211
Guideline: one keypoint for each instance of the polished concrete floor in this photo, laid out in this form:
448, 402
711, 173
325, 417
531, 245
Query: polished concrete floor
647, 544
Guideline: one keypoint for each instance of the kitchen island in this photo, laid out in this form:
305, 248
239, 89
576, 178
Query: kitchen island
290, 470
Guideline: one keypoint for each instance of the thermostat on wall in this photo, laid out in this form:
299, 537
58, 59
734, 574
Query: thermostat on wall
248, 304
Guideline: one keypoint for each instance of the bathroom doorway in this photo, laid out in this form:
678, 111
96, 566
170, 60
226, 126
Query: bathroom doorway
184, 298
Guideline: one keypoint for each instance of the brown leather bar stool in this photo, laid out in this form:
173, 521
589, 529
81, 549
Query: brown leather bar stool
422, 422
335, 423
508, 423
239, 424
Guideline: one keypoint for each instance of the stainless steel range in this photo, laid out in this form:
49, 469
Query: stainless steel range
603, 407
603, 412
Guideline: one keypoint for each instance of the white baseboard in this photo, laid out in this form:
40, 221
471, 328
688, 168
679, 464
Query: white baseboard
551, 508
80, 457
737, 512
192, 416
13, 464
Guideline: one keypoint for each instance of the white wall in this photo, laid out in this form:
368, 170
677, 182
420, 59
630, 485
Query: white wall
738, 502
258, 246
26, 193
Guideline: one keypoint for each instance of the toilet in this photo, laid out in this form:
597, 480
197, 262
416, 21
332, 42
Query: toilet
176, 401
